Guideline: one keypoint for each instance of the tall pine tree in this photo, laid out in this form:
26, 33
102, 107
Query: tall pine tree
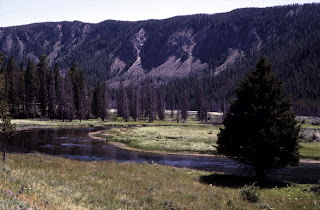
184, 106
11, 86
52, 102
6, 128
260, 129
43, 75
120, 99
201, 102
82, 96
104, 102
161, 103
96, 104
31, 88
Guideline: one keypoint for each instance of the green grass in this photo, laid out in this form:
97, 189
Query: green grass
308, 125
30, 123
310, 150
194, 139
47, 182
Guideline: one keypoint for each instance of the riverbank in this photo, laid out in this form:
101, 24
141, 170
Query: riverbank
167, 136
48, 182
177, 139
23, 124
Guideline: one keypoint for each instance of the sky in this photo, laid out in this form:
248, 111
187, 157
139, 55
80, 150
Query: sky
20, 12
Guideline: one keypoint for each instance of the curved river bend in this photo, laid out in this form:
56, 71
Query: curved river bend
76, 144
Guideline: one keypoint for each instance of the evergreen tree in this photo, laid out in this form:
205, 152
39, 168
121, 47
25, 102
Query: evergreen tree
171, 107
52, 105
97, 100
125, 109
21, 90
178, 115
120, 99
69, 98
131, 90
150, 101
67, 103
161, 103
184, 106
82, 96
136, 103
260, 129
88, 102
6, 128
31, 88
201, 103
104, 102
43, 75
58, 86
2, 57
143, 102
75, 81
62, 108
11, 87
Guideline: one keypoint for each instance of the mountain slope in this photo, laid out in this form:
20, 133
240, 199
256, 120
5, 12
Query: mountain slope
181, 47
187, 44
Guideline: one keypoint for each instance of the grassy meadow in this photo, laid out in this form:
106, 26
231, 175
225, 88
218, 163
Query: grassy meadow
310, 150
36, 181
310, 139
175, 138
113, 122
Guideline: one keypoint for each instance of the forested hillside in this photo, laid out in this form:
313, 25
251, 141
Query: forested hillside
181, 52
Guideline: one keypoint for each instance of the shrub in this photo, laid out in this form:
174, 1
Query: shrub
315, 190
249, 193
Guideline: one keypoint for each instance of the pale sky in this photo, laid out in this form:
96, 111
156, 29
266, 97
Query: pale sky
20, 12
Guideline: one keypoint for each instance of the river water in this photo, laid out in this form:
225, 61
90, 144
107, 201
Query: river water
76, 144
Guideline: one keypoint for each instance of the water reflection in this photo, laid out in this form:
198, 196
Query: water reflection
76, 144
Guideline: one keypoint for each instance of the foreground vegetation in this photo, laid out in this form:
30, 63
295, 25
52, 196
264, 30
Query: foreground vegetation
40, 181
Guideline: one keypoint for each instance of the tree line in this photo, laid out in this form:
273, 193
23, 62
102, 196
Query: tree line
145, 101
38, 91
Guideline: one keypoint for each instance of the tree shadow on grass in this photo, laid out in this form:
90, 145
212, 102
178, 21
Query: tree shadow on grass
234, 181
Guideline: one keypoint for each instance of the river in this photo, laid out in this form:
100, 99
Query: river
76, 144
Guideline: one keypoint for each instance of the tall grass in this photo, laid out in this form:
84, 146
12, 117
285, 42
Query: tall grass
47, 182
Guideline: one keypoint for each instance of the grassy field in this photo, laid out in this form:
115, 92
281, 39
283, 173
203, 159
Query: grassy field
199, 139
30, 123
310, 150
47, 182
310, 141
191, 139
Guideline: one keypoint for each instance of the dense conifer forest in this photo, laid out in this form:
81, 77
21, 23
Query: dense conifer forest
39, 91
